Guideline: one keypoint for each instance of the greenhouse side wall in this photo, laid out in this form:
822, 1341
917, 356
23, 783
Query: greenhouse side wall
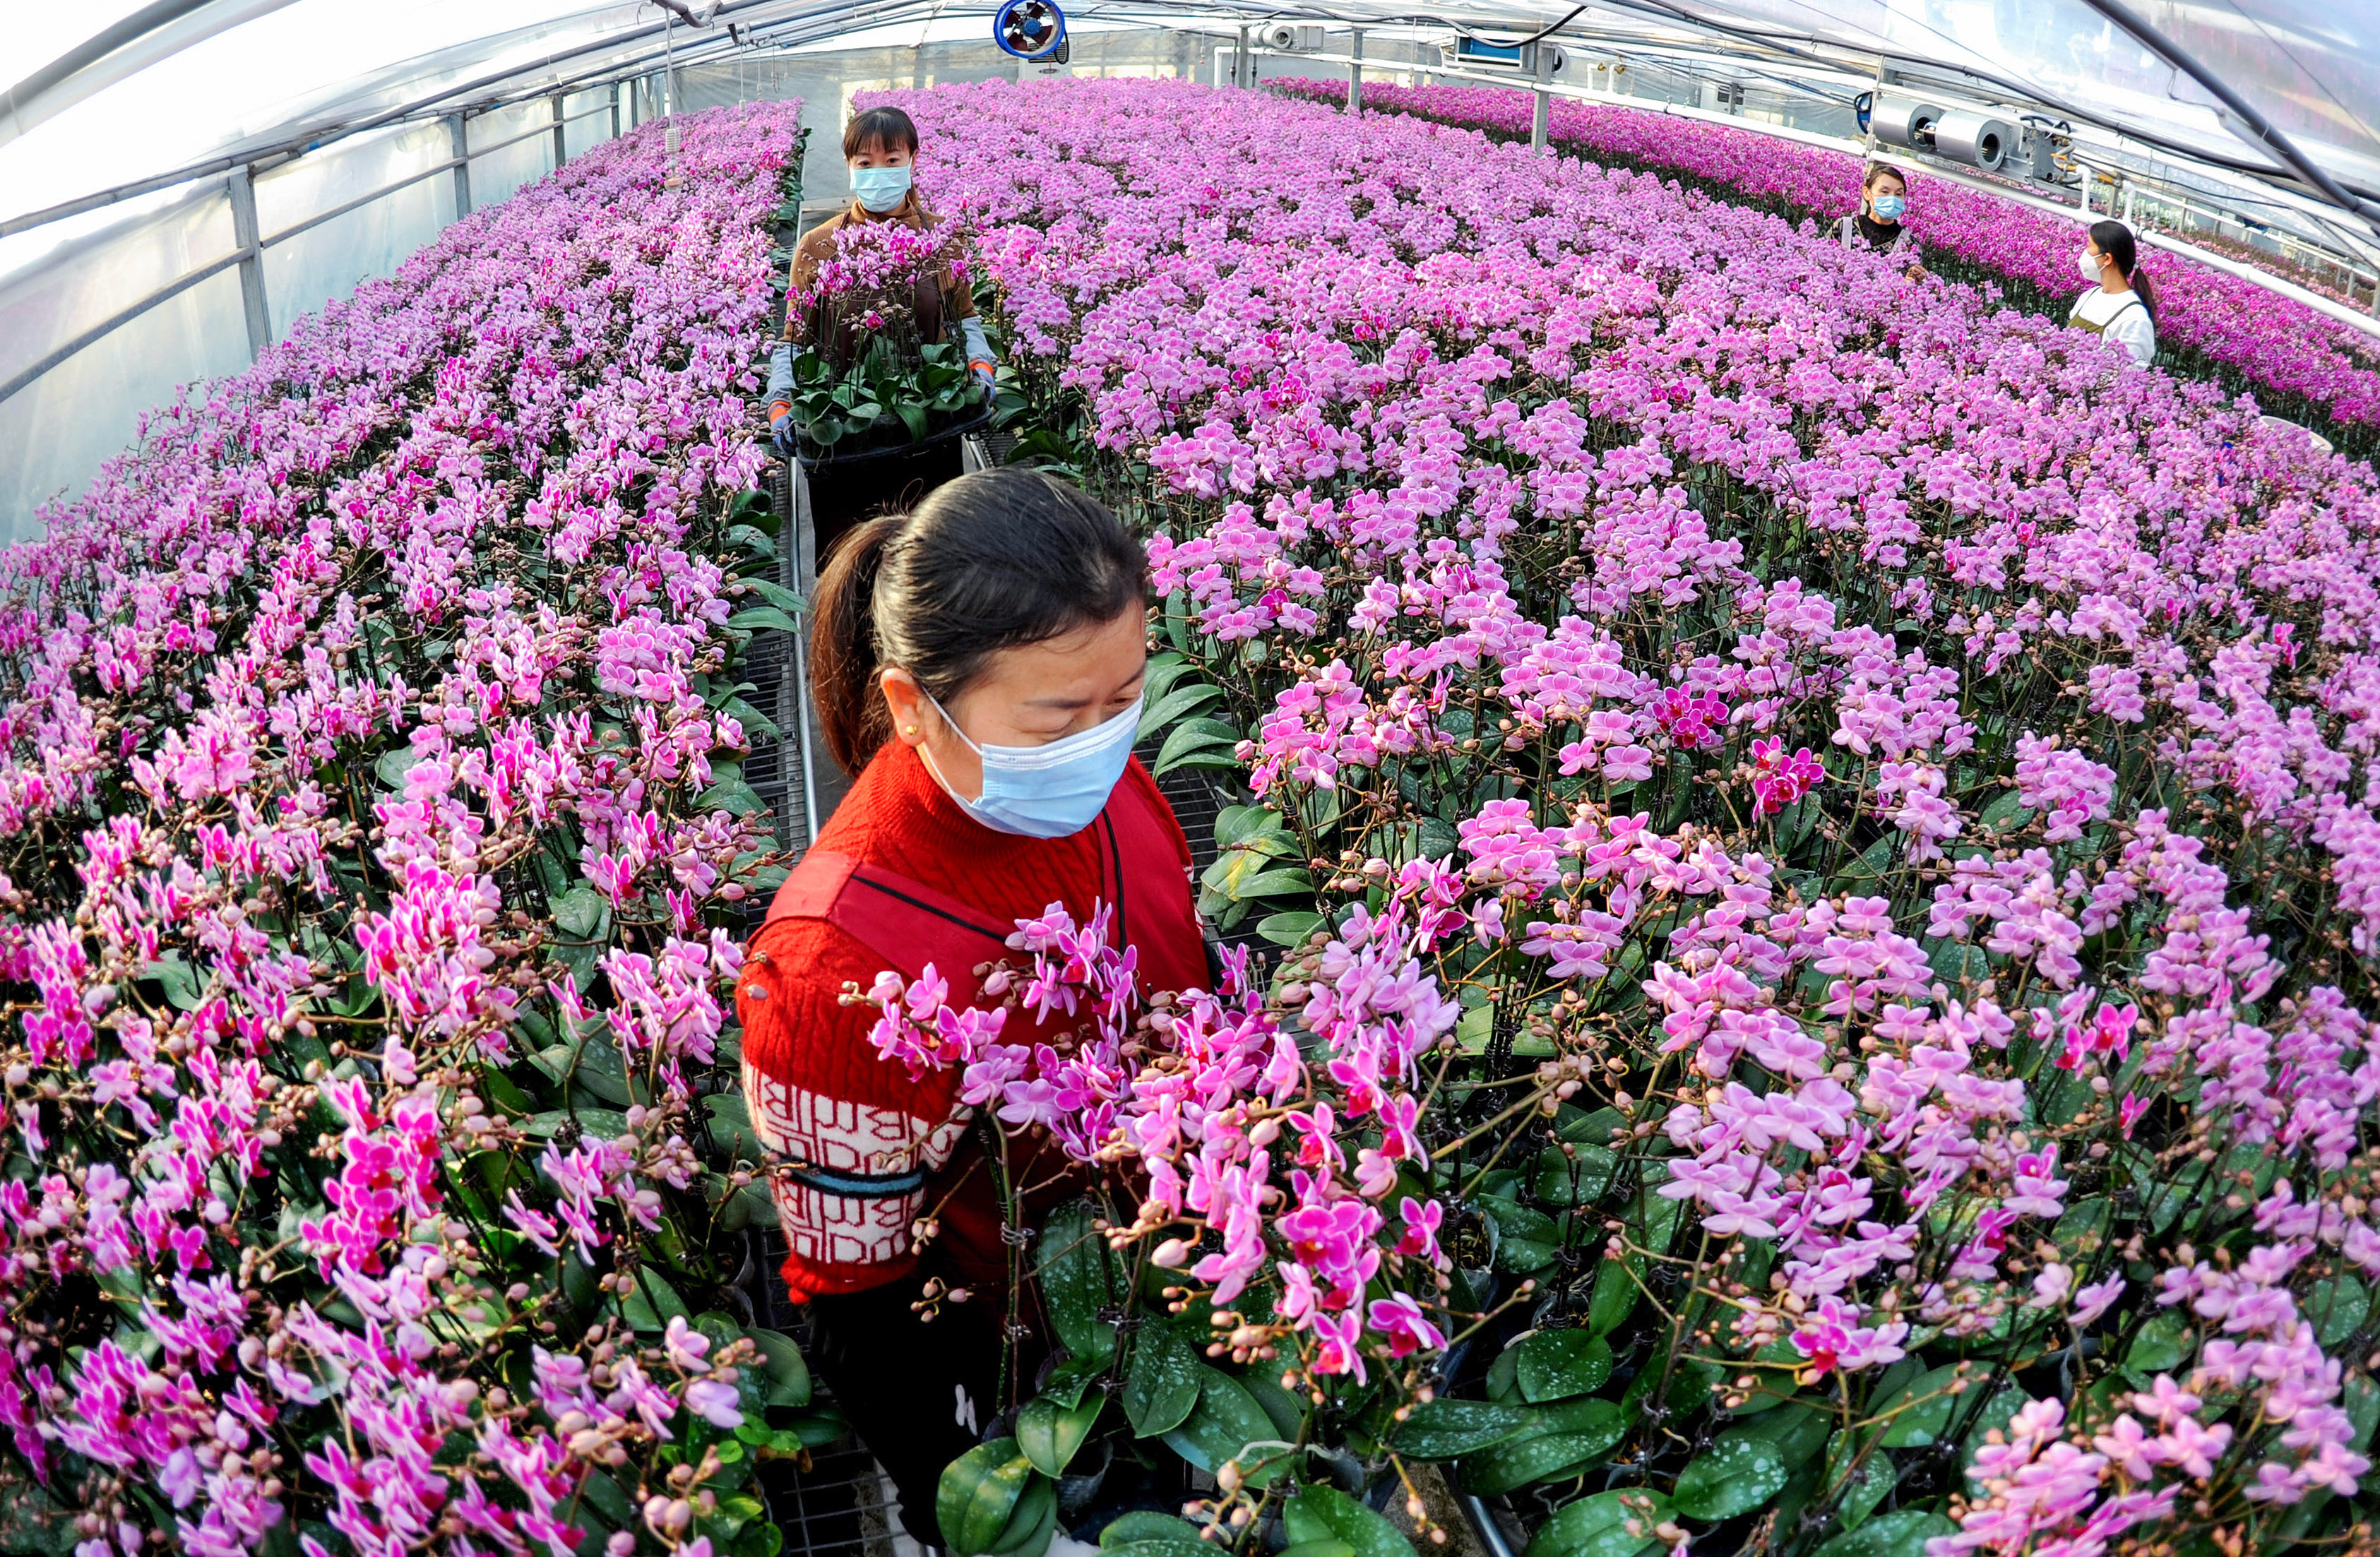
60, 427
65, 425
329, 261
78, 415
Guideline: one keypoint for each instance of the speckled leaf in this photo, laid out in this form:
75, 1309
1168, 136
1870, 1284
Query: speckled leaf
1447, 1430
1597, 1527
1733, 1475
978, 1492
1557, 1364
1050, 1433
1919, 1410
1327, 1513
2338, 1307
1226, 1420
1161, 1386
1072, 1262
1902, 1533
1519, 1461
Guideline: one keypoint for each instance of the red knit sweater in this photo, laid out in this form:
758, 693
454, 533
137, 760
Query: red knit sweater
820, 1095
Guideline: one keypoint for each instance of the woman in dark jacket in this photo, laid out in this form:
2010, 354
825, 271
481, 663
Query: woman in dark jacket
1876, 226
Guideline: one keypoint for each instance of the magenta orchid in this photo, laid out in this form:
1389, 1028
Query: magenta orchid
371, 834
1799, 775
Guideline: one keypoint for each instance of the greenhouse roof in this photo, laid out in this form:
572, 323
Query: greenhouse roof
127, 94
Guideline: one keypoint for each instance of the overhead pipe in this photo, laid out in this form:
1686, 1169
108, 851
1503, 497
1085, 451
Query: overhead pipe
99, 45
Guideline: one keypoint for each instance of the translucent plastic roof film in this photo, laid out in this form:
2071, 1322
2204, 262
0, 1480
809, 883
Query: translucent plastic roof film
290, 67
2313, 69
192, 78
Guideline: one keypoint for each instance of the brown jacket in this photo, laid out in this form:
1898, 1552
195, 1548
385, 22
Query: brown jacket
956, 301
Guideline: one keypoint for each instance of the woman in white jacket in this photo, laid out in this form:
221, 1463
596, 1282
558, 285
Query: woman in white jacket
2122, 308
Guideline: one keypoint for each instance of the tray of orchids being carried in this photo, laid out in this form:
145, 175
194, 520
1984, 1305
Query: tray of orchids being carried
876, 374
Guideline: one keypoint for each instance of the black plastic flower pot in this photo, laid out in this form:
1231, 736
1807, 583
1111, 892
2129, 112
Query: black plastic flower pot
885, 442
848, 489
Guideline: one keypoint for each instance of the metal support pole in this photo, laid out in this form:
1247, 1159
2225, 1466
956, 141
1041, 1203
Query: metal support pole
1355, 71
615, 110
561, 149
668, 100
251, 261
1541, 117
1241, 61
1875, 100
458, 146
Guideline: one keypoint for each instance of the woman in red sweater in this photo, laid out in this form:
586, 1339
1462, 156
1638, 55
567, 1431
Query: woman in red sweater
977, 665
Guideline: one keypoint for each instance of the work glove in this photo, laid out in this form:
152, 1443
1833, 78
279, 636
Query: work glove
781, 428
980, 358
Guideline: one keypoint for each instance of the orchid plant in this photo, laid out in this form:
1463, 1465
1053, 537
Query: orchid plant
374, 840
869, 370
2302, 364
1817, 845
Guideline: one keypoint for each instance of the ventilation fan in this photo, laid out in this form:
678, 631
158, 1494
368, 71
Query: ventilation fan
1029, 29
1289, 38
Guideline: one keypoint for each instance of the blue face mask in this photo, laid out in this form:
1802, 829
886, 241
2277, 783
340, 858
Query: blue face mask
880, 189
1051, 791
1890, 207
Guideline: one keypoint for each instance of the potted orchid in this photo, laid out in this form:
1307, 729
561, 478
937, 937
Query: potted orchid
874, 373
371, 905
1781, 1034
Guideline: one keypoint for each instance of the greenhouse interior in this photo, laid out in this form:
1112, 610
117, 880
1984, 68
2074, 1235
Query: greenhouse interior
873, 780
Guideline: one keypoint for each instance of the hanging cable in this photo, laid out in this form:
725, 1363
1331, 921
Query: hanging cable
1519, 42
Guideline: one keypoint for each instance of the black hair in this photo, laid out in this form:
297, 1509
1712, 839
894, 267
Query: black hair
992, 560
888, 128
2115, 240
1879, 170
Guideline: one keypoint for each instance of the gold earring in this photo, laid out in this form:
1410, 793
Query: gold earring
908, 729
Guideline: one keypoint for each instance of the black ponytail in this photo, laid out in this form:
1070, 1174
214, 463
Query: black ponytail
992, 560
2115, 240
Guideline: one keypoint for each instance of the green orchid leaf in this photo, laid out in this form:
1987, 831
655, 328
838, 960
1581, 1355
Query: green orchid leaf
1733, 1475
